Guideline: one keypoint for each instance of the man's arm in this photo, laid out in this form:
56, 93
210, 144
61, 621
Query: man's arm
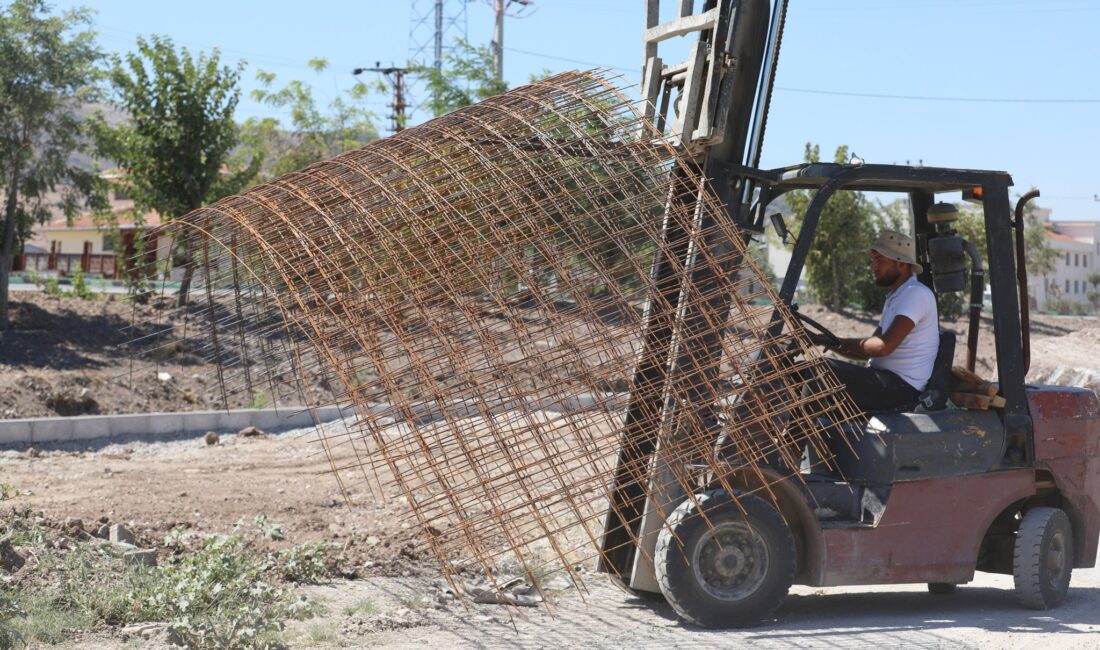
878, 344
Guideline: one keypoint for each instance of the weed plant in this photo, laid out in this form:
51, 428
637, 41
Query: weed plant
219, 596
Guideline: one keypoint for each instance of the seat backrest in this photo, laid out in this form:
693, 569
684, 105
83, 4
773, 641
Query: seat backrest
934, 397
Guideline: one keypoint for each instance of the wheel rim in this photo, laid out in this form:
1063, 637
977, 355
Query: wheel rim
731, 561
1056, 560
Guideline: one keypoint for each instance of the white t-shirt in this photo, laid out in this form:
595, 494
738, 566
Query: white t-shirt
913, 359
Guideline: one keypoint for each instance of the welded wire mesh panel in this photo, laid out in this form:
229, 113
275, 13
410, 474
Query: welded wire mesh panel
523, 300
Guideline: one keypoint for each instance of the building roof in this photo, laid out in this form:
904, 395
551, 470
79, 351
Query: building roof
1057, 236
123, 215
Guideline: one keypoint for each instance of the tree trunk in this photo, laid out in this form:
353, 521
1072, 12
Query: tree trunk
188, 269
9, 242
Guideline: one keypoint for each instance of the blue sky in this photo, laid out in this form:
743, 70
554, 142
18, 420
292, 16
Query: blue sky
993, 84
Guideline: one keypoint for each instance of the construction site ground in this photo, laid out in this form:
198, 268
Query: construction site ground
61, 346
401, 599
66, 356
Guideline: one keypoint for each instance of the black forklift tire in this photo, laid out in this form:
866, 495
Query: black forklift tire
942, 588
694, 568
1042, 561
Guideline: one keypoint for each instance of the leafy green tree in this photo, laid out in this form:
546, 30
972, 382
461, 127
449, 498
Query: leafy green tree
315, 133
1041, 257
1094, 295
466, 78
836, 267
180, 134
47, 71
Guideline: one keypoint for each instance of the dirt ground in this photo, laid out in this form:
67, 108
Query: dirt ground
155, 486
66, 356
63, 357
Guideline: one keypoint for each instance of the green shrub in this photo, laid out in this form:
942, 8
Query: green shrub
215, 597
80, 285
9, 614
52, 287
309, 563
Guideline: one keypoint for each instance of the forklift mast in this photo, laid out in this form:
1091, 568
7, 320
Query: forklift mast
712, 107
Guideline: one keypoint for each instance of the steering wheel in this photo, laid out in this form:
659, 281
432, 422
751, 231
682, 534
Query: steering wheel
809, 323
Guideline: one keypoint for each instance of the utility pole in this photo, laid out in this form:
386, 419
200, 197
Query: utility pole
500, 8
435, 29
438, 35
396, 77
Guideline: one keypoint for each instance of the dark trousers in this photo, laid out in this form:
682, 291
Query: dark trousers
873, 389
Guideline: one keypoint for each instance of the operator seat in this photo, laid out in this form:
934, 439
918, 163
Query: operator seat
934, 397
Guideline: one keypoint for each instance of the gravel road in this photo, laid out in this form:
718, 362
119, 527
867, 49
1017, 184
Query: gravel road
983, 614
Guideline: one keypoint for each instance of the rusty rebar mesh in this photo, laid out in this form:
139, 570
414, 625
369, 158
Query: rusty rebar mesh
480, 287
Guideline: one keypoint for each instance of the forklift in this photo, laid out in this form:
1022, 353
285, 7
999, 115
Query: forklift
926, 495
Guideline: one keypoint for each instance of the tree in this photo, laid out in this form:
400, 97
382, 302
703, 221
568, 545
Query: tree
1094, 296
1041, 257
836, 267
467, 78
180, 133
48, 68
317, 134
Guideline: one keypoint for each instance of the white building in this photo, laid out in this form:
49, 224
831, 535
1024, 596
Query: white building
1078, 247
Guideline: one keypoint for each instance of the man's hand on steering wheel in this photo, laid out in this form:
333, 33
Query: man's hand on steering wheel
816, 332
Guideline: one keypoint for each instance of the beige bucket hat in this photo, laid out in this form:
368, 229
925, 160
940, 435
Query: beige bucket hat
897, 246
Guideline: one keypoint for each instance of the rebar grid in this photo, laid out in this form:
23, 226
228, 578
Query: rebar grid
480, 287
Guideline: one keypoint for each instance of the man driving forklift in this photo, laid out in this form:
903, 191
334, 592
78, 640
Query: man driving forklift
902, 349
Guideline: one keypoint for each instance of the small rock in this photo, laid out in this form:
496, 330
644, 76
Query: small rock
372, 540
162, 632
164, 377
10, 559
211, 438
119, 534
33, 453
103, 532
250, 432
74, 525
143, 556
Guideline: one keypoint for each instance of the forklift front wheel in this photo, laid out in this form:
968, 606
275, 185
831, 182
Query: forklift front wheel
1043, 558
721, 565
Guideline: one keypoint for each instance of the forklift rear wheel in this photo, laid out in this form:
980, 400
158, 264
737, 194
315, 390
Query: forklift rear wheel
942, 588
720, 565
1043, 558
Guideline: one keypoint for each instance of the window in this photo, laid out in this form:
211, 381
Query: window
108, 244
1067, 286
1075, 287
1067, 259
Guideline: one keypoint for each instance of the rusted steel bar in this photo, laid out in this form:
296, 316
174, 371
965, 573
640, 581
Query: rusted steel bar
479, 288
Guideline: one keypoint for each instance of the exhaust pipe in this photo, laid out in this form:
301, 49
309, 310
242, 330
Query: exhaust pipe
1021, 277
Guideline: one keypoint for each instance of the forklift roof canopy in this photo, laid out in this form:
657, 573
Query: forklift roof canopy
882, 178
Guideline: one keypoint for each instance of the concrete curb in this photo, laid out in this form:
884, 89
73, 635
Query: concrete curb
89, 427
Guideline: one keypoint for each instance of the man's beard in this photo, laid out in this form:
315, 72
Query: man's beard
888, 278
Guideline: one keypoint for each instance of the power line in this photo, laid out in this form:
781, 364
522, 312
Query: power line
932, 98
